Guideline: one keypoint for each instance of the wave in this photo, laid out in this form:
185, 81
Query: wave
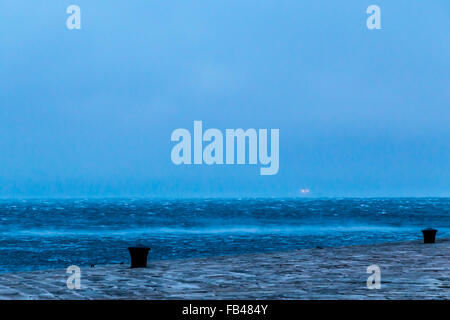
210, 230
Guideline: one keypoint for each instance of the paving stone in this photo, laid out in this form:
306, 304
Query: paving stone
409, 270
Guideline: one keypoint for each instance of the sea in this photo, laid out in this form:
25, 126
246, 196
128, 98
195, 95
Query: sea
56, 233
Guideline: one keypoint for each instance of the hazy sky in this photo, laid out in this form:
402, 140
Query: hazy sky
90, 112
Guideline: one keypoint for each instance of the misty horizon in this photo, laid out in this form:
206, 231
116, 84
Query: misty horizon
90, 112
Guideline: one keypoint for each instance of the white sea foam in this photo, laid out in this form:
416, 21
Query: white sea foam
235, 229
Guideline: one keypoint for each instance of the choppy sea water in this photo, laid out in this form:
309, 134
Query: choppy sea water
46, 234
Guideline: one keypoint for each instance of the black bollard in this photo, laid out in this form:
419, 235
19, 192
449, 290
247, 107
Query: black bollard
138, 256
429, 235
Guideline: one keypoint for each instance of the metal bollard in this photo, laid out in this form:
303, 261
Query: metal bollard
138, 256
429, 235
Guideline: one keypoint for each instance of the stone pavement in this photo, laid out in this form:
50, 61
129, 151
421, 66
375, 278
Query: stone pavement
409, 270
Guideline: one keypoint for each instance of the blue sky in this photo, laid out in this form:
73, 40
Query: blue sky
90, 112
